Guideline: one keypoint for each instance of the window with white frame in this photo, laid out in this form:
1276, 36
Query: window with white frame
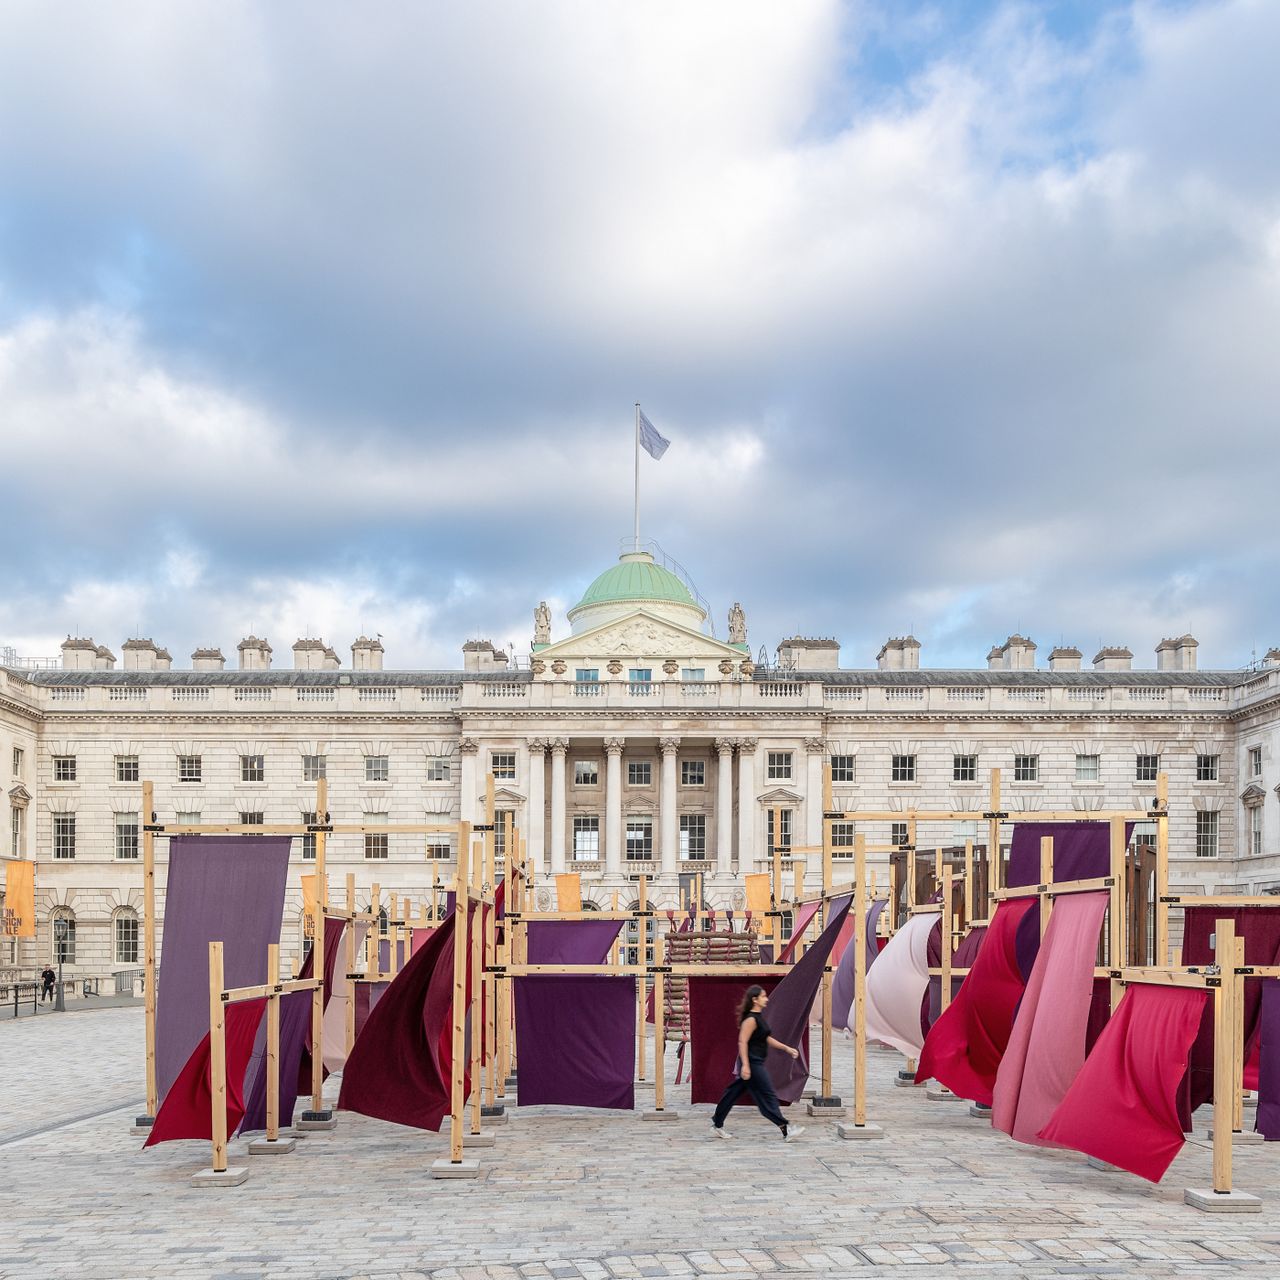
376, 843
15, 830
587, 675
635, 929
964, 768
693, 673
693, 835
314, 768
17, 762
899, 833
502, 764
64, 768
502, 818
1146, 768
586, 773
64, 836
844, 768
64, 949
639, 773
251, 817
1206, 834
126, 837
126, 936
784, 830
1255, 830
778, 764
189, 768
1207, 768
377, 768
187, 818
639, 839
1026, 768
1255, 762
253, 768
902, 769
126, 768
439, 849
1088, 768
438, 769
586, 837
842, 839
309, 838
693, 773
640, 675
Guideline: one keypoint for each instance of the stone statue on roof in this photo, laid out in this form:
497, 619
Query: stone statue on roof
542, 624
737, 625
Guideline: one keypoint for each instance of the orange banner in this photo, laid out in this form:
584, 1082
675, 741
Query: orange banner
19, 918
758, 887
309, 906
569, 892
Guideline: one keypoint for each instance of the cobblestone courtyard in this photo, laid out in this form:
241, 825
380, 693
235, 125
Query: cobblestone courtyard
579, 1195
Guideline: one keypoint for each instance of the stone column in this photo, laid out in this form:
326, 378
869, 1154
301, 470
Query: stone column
537, 820
613, 806
813, 797
668, 821
468, 748
559, 749
724, 807
746, 805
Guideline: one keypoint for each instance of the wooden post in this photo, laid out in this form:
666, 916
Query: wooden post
273, 1043
775, 883
1162, 869
859, 943
828, 803
948, 936
1237, 1072
995, 863
461, 946
659, 1042
217, 1059
502, 956
374, 967
969, 903
1225, 1083
491, 958
317, 944
1119, 907
477, 983
1046, 878
642, 984
350, 949
149, 943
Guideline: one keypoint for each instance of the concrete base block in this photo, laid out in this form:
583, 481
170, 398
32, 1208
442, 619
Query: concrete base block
940, 1093
822, 1111
982, 1112
511, 1082
808, 1095
1211, 1201
478, 1140
1241, 1137
488, 1109
316, 1122
859, 1132
145, 1122
904, 1081
660, 1116
280, 1147
501, 1118
1094, 1163
463, 1169
231, 1176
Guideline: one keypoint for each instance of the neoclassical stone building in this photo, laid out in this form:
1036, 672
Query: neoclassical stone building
638, 743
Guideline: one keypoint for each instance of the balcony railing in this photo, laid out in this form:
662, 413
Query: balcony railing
1148, 693
440, 692
780, 689
376, 693
306, 693
844, 692
903, 693
72, 693
966, 693
127, 693
253, 693
588, 688
642, 688
189, 693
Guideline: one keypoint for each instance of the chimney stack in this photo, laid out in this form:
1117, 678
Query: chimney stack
899, 653
1113, 658
78, 654
366, 654
208, 660
1178, 654
255, 654
1065, 658
143, 655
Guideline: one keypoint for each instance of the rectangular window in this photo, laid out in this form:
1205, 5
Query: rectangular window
64, 950
376, 843
314, 768
903, 769
126, 768
784, 831
1255, 831
64, 768
693, 673
844, 768
640, 675
1207, 768
439, 849
377, 768
639, 839
899, 833
586, 837
15, 830
17, 762
126, 837
964, 768
1255, 762
779, 766
187, 818
253, 768
586, 773
64, 835
126, 938
502, 764
1146, 768
308, 840
188, 768
438, 769
1088, 768
693, 835
693, 773
639, 773
251, 817
587, 675
841, 839
501, 817
1026, 768
1206, 835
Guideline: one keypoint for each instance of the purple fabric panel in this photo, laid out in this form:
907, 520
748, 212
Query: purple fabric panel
220, 888
1081, 850
876, 910
577, 1038
843, 983
1268, 1122
295, 1023
571, 941
384, 955
790, 1006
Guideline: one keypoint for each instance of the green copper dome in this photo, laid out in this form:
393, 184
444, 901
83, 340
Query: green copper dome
636, 578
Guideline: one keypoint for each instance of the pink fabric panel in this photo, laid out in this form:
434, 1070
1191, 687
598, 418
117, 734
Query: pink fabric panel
335, 1012
806, 914
896, 985
1047, 1047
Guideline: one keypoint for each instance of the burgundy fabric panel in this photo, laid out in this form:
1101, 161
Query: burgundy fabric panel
964, 957
571, 941
964, 1047
713, 1032
1268, 1122
187, 1108
360, 995
930, 1003
398, 1068
227, 889
1260, 929
333, 934
577, 1038
1122, 1106
843, 983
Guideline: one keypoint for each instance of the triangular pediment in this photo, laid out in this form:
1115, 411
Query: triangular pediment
780, 796
19, 796
1252, 796
642, 635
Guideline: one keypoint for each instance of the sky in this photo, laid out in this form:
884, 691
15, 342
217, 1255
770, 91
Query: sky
319, 319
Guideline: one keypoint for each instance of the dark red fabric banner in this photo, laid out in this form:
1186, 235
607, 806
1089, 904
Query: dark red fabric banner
187, 1109
964, 1047
1122, 1107
713, 1032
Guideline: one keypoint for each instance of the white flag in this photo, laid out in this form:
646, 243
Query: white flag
654, 443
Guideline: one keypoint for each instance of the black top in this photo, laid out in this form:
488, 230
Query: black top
758, 1043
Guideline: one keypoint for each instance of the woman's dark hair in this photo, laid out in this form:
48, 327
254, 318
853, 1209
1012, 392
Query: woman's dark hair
748, 999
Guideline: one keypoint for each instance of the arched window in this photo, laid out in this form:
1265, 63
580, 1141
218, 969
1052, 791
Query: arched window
125, 931
588, 905
63, 948
788, 922
384, 926
631, 937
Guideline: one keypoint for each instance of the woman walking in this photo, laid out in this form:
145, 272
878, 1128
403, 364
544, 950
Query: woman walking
754, 1042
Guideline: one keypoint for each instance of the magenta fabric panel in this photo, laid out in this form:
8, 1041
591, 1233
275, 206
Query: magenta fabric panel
1047, 1046
1268, 1121
808, 911
577, 1038
571, 941
227, 889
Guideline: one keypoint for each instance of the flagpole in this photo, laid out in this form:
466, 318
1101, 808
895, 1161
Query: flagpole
636, 543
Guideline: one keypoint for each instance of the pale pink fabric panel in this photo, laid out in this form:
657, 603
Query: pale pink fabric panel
335, 1014
1046, 1049
896, 985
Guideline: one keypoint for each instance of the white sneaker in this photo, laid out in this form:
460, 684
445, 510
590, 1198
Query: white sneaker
793, 1132
721, 1132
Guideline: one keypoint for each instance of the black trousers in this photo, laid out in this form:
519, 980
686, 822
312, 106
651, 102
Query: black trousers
47, 994
761, 1089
